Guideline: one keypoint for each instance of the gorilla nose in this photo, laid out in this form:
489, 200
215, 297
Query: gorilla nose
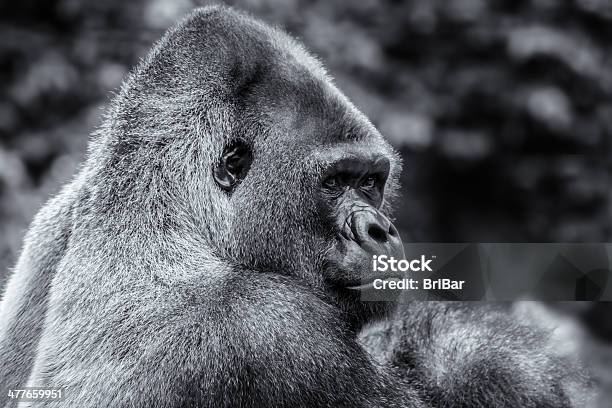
376, 234
380, 233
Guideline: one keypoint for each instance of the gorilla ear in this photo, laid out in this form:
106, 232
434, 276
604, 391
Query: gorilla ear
234, 165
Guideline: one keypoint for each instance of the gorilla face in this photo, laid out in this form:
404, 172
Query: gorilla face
350, 197
308, 180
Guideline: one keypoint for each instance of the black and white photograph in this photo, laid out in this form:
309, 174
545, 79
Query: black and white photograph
306, 203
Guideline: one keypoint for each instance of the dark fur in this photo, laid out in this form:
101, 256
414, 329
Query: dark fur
142, 284
463, 355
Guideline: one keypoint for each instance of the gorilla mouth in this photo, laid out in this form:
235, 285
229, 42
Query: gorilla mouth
367, 283
364, 286
364, 236
352, 277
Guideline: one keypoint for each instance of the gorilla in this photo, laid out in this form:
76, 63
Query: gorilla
212, 249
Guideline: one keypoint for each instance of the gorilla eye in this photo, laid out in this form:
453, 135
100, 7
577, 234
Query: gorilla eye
331, 182
370, 182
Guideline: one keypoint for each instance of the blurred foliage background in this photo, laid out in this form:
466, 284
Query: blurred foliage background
502, 110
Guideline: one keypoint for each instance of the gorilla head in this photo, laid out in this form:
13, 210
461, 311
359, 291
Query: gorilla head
256, 152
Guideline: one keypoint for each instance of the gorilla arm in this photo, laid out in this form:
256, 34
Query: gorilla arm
474, 355
260, 340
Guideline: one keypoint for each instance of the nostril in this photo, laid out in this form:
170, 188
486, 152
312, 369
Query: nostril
377, 233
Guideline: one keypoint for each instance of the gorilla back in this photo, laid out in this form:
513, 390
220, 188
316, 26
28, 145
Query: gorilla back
211, 248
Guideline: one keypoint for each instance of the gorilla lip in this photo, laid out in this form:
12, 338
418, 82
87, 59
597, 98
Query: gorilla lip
362, 287
370, 282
